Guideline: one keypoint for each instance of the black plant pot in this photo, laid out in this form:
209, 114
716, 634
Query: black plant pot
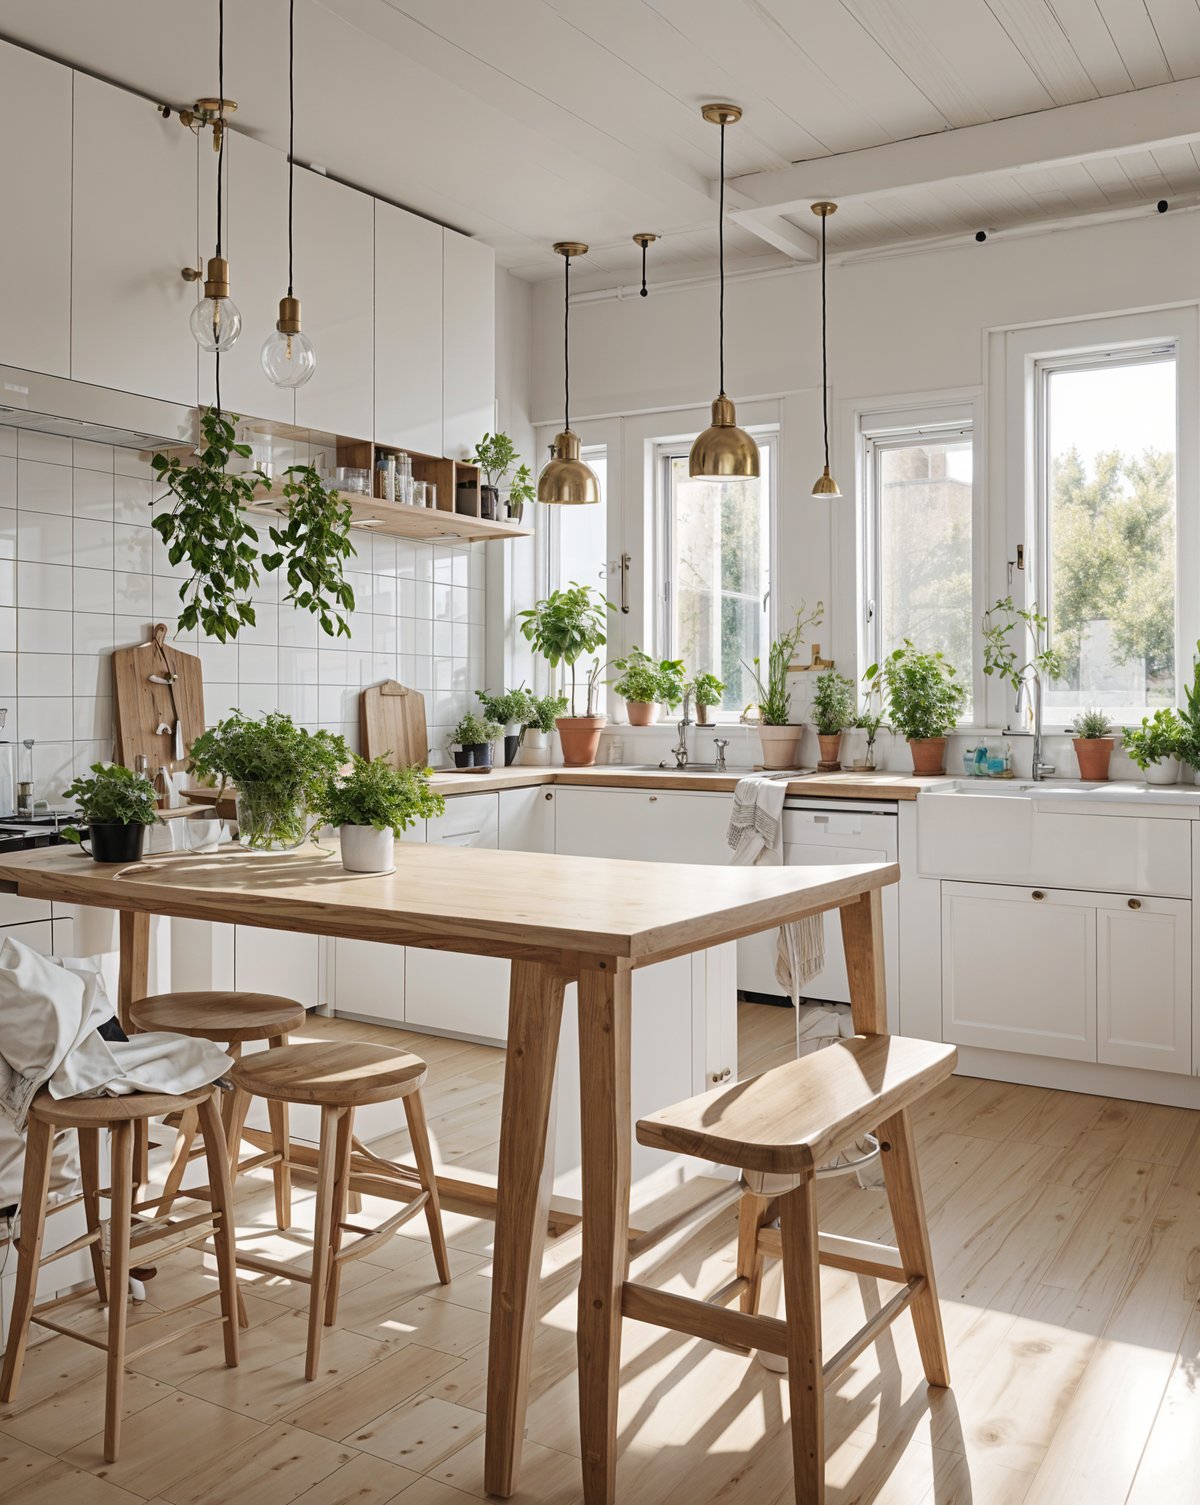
489, 503
511, 745
116, 843
481, 754
462, 757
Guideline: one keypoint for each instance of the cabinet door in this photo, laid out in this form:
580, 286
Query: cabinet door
335, 271
133, 230
35, 189
527, 820
1144, 982
468, 343
368, 980
654, 826
1019, 969
278, 961
408, 330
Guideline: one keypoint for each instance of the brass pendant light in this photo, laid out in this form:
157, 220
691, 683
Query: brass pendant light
824, 485
216, 321
566, 480
724, 451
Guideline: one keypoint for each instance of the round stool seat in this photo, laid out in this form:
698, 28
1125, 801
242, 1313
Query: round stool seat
230, 1017
96, 1112
332, 1076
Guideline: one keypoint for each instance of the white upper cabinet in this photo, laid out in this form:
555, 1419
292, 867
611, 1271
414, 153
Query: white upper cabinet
468, 343
335, 267
255, 244
408, 330
35, 190
133, 229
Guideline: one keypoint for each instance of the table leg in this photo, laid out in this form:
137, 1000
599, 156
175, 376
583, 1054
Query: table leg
862, 941
605, 996
526, 1174
133, 982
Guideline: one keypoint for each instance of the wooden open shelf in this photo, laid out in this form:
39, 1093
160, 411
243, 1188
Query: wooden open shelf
428, 524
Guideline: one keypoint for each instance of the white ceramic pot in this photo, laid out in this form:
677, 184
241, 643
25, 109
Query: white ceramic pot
366, 850
535, 748
780, 745
1166, 772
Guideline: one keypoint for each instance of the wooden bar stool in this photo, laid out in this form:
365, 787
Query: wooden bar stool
777, 1128
338, 1079
89, 1116
229, 1019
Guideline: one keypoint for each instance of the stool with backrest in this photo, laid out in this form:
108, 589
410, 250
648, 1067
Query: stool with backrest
338, 1078
231, 1019
126, 1233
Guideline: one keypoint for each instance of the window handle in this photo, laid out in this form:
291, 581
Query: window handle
870, 611
626, 561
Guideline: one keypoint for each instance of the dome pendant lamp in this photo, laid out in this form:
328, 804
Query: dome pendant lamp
216, 321
566, 480
287, 355
824, 485
724, 451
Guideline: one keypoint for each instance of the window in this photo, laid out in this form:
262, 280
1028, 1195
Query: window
920, 485
577, 537
1106, 527
715, 541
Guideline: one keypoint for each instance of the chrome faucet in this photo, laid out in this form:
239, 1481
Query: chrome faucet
1040, 770
680, 751
720, 743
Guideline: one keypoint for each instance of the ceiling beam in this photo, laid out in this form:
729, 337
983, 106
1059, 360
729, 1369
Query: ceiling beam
1141, 120
770, 226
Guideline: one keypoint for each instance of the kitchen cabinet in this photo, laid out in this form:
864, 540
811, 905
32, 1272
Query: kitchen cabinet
408, 330
278, 961
468, 343
1144, 982
35, 189
335, 275
367, 977
645, 825
527, 820
133, 229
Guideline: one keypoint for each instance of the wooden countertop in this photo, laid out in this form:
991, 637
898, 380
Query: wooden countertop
514, 904
856, 786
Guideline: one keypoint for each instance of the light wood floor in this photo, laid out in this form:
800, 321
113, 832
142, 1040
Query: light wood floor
1067, 1235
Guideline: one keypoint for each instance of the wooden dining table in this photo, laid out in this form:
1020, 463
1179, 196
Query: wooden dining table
560, 919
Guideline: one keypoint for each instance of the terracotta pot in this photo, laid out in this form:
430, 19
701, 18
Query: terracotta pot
831, 749
1094, 754
580, 737
641, 712
928, 754
780, 745
701, 715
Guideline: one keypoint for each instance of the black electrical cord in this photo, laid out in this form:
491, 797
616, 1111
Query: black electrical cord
291, 126
566, 342
220, 152
824, 356
721, 263
643, 269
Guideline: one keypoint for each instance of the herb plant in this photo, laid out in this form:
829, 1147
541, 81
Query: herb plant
921, 689
510, 706
495, 455
312, 545
114, 796
544, 711
473, 730
1159, 736
833, 703
1000, 658
707, 689
774, 700
375, 794
565, 626
1189, 716
642, 680
1090, 725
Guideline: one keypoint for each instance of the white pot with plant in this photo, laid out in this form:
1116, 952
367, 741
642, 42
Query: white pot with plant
1093, 741
537, 738
833, 708
778, 735
1157, 745
563, 628
509, 711
645, 685
924, 698
707, 693
370, 806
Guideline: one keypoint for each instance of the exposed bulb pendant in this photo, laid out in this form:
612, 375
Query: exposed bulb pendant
216, 321
288, 357
724, 451
567, 480
644, 238
824, 485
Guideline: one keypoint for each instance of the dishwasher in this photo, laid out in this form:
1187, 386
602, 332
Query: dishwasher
817, 833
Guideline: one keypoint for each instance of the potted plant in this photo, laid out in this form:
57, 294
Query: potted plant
707, 691
833, 710
509, 709
473, 738
1093, 744
117, 805
521, 490
278, 770
544, 711
779, 736
645, 685
495, 455
925, 699
562, 628
1156, 746
1189, 718
370, 805
871, 719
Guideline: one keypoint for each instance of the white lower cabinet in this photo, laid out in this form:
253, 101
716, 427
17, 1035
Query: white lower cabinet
528, 819
650, 825
278, 961
1069, 975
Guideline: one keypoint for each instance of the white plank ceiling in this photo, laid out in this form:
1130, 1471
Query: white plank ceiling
526, 121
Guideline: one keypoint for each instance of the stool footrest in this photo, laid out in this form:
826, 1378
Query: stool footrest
857, 1256
684, 1314
371, 1238
869, 1331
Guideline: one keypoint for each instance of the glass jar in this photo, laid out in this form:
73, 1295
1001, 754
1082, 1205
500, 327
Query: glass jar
270, 820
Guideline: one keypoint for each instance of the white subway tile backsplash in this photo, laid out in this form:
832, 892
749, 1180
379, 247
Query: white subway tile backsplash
44, 717
219, 663
92, 495
93, 544
44, 674
44, 537
258, 664
133, 595
132, 548
93, 590
297, 666
8, 583
43, 488
8, 677
88, 455
93, 718
44, 631
8, 479
8, 532
92, 674
48, 448
131, 500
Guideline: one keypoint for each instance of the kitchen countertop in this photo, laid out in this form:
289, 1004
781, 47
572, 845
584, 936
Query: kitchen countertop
858, 786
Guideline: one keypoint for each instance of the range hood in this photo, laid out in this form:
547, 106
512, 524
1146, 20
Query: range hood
75, 410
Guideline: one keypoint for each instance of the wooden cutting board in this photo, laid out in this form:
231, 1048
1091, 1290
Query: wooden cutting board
392, 724
140, 706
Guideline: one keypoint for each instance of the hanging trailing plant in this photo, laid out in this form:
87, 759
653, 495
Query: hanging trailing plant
313, 544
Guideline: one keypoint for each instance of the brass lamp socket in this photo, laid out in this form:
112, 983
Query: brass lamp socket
288, 321
216, 279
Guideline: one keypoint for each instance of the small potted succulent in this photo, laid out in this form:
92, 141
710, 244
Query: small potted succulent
277, 769
645, 685
1156, 746
472, 739
564, 627
509, 710
924, 698
833, 710
117, 805
370, 805
540, 719
778, 734
1093, 744
707, 691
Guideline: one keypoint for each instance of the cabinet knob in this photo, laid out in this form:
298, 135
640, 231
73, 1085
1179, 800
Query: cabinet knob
1134, 903
547, 796
1038, 894
654, 799
722, 1076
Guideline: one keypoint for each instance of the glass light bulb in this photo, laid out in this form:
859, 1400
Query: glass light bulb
288, 359
216, 323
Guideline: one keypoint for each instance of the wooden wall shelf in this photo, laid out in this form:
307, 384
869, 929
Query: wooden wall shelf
428, 524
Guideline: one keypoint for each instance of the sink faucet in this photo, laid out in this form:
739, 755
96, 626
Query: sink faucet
1024, 692
680, 751
720, 743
